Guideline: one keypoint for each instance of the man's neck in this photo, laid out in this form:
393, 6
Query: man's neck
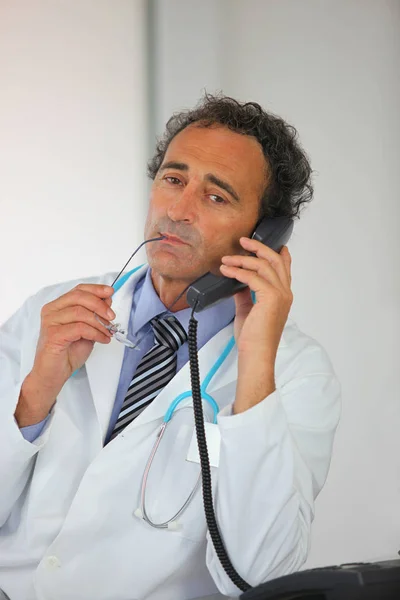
168, 290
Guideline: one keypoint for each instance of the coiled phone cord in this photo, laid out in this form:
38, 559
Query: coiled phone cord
204, 460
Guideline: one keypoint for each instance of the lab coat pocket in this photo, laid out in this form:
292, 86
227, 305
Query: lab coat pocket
213, 439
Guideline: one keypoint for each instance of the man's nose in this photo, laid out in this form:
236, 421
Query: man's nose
183, 206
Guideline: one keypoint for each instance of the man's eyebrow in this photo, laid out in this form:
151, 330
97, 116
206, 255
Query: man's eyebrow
223, 185
172, 164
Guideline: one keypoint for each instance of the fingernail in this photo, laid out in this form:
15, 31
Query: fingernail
110, 314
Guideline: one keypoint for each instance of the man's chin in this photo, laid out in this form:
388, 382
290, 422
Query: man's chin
167, 266
173, 268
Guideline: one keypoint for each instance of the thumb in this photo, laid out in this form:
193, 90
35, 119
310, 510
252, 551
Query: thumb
243, 302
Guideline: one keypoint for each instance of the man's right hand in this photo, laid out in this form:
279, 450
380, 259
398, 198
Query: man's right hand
68, 331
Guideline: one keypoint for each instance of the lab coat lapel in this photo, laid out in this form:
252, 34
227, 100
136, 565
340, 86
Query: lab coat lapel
103, 366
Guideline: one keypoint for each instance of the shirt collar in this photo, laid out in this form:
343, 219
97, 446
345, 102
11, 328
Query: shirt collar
148, 305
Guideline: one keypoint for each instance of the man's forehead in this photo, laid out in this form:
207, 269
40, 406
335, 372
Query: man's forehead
216, 143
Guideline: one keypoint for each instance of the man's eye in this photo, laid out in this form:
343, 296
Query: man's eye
173, 180
217, 199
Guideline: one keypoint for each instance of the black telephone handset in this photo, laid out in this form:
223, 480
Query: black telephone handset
210, 289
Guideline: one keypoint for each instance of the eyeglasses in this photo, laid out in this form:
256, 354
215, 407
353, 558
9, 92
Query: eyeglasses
115, 328
120, 334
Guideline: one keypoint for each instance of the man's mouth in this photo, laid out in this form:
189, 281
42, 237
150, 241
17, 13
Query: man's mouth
171, 239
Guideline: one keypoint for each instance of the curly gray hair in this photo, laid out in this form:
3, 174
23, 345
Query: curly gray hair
289, 185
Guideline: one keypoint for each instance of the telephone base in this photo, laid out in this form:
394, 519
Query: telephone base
352, 581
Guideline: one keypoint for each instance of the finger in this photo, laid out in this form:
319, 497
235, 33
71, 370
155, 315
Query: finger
100, 290
263, 251
78, 331
106, 292
82, 298
75, 314
94, 289
287, 259
243, 302
256, 283
262, 267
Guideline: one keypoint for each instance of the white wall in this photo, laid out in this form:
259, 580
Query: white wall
332, 69
73, 140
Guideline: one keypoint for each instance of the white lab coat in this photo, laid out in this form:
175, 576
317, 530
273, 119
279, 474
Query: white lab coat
67, 529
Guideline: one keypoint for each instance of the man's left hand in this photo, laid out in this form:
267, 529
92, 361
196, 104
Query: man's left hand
259, 326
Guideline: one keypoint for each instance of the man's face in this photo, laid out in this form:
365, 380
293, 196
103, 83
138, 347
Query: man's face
207, 193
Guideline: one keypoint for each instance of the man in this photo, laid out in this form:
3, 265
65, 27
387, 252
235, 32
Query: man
79, 420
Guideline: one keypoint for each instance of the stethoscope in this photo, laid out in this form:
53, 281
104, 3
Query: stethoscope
141, 512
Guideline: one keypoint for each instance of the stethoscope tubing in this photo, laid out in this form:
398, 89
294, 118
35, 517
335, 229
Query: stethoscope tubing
145, 515
167, 418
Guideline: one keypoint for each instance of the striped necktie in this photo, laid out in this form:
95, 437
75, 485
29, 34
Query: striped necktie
154, 371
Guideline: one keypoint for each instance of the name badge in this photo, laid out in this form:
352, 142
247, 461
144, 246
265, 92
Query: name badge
213, 437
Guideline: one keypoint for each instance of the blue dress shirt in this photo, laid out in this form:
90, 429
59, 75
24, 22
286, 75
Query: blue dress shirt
145, 306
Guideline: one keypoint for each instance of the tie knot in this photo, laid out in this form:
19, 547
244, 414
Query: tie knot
168, 332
